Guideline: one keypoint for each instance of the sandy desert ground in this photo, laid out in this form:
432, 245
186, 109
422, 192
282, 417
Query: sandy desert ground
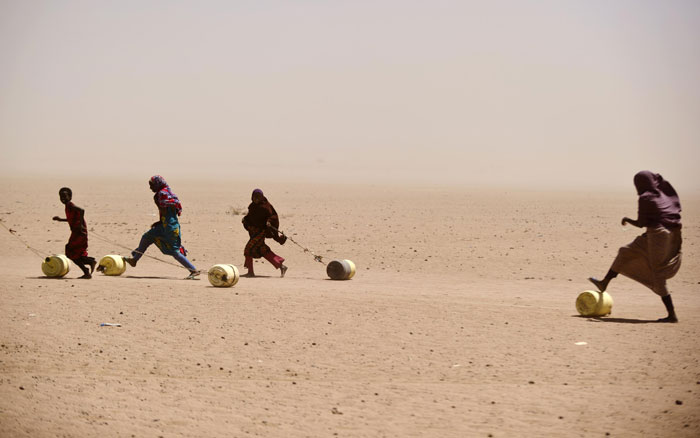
460, 321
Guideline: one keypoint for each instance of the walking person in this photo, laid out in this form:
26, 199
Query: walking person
261, 222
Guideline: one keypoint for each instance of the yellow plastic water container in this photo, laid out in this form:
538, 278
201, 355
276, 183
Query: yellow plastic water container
56, 266
223, 275
112, 265
340, 269
594, 303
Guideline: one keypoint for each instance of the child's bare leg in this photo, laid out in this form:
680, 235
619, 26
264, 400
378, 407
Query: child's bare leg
83, 267
90, 261
249, 265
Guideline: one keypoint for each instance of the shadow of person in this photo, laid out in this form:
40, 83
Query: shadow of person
618, 320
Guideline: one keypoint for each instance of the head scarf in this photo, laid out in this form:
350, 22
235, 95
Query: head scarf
157, 182
259, 214
659, 203
164, 197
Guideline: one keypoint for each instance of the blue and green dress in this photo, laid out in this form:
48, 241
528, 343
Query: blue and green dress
165, 233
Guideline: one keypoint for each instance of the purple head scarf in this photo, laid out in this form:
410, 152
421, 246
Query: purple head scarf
259, 214
658, 201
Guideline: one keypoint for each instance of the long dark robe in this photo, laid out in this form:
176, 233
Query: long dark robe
255, 222
655, 256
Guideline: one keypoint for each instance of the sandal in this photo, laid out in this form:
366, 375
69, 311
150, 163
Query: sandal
193, 275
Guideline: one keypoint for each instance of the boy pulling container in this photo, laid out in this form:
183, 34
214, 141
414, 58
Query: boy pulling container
76, 248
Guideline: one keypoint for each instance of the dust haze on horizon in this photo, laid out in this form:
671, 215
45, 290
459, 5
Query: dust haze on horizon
578, 94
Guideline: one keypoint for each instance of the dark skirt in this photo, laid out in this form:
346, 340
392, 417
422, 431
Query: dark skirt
651, 258
256, 246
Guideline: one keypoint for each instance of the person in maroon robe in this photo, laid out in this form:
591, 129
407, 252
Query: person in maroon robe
655, 256
261, 222
76, 248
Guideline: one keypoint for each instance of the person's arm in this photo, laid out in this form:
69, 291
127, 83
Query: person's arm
60, 219
635, 223
247, 219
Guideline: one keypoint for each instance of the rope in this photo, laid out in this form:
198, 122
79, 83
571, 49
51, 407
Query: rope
37, 252
318, 258
129, 249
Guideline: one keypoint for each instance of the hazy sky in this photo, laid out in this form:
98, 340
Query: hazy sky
565, 93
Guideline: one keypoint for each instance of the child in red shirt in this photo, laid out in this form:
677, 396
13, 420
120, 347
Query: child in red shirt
76, 248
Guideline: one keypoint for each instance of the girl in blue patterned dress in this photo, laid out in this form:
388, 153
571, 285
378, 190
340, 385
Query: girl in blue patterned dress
166, 232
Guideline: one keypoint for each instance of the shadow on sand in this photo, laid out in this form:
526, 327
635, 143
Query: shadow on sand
147, 277
618, 320
133, 277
